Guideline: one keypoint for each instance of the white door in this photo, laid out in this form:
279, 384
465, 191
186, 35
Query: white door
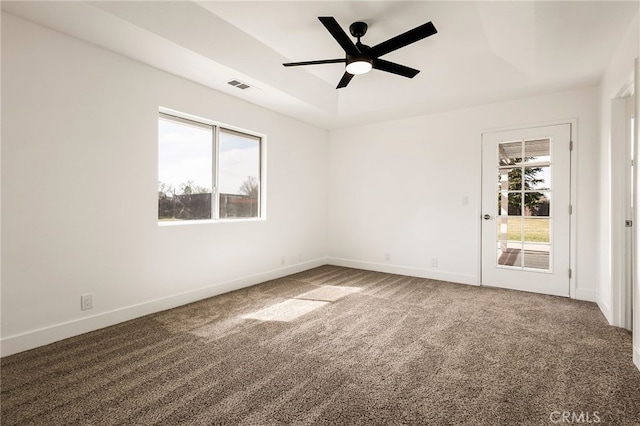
526, 209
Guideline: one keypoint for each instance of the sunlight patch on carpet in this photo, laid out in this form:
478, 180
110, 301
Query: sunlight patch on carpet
288, 310
329, 293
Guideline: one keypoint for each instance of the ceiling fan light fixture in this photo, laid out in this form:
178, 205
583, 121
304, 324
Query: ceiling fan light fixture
360, 65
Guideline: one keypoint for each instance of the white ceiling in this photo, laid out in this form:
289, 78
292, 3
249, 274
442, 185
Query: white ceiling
483, 52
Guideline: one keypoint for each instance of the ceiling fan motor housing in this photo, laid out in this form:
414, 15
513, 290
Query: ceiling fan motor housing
358, 29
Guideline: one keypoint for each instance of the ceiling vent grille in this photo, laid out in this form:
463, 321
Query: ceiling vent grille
238, 84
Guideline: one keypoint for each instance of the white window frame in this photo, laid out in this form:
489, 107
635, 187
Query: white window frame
215, 196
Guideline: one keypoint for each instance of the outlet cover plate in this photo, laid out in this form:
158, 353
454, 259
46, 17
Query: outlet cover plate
86, 302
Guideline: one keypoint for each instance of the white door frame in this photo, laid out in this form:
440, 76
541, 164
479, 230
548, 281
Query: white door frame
620, 190
636, 229
573, 291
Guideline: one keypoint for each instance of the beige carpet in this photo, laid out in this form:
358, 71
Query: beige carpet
337, 346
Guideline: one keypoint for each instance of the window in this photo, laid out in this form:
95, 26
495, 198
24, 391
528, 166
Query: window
207, 171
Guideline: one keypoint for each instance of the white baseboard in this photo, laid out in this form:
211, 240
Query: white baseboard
587, 295
44, 336
405, 270
636, 357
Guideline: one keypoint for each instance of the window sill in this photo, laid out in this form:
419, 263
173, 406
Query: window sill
170, 223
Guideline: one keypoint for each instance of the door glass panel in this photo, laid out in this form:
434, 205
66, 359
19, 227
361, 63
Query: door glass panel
537, 230
510, 254
510, 153
537, 151
523, 231
509, 228
510, 178
537, 177
537, 204
510, 204
536, 256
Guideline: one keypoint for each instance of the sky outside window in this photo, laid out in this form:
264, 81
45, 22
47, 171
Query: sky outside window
239, 160
184, 154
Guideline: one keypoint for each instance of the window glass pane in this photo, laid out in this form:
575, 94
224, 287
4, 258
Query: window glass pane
185, 156
239, 174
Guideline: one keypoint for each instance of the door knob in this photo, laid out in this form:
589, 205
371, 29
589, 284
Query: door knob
486, 217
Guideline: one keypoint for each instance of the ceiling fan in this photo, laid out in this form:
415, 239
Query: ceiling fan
361, 58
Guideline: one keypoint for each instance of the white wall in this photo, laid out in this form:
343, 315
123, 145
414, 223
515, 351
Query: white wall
398, 187
79, 174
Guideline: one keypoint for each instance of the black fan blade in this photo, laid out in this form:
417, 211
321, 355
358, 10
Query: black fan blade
346, 78
322, 61
402, 40
338, 33
392, 67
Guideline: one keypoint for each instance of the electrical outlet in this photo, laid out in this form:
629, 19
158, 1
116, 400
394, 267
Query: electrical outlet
86, 302
434, 262
282, 260
387, 257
